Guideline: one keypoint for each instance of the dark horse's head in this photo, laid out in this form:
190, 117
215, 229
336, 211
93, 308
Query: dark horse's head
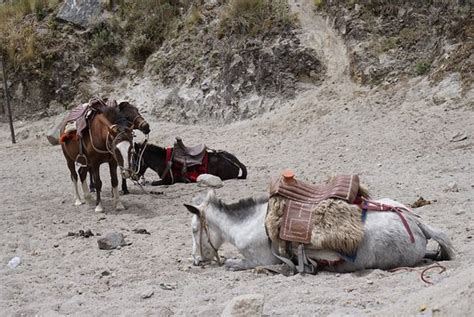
134, 117
148, 156
120, 139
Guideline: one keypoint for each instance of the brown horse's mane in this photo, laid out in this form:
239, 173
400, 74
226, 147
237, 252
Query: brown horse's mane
114, 116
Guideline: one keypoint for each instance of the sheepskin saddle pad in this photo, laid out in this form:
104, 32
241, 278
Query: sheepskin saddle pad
323, 216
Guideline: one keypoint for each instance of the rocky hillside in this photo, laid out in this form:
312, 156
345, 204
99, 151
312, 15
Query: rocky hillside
214, 59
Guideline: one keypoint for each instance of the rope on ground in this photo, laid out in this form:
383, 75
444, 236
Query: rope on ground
422, 272
191, 192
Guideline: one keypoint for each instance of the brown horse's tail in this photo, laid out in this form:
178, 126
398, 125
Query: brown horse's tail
231, 158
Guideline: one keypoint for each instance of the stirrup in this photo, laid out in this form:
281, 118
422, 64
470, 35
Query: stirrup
78, 164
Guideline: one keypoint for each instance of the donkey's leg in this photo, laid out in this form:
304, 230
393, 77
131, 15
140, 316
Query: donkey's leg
113, 175
85, 190
98, 187
72, 170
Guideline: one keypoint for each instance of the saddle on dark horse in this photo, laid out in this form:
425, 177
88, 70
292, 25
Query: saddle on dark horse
185, 163
303, 216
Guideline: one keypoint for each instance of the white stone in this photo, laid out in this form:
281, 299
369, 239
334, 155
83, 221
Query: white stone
208, 180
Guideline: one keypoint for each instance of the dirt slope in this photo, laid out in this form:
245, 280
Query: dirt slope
400, 140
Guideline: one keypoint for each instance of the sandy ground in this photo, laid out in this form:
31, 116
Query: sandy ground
401, 140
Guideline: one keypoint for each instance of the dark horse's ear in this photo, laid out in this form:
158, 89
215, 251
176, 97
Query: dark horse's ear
122, 105
192, 209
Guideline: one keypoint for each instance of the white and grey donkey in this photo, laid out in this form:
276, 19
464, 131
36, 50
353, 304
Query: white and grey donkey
385, 245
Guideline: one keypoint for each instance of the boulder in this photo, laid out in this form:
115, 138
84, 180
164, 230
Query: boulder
208, 180
82, 13
111, 240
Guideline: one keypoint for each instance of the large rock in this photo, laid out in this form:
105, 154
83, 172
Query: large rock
80, 12
208, 180
111, 240
244, 306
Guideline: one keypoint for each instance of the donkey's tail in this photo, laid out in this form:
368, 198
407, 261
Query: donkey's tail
446, 251
231, 158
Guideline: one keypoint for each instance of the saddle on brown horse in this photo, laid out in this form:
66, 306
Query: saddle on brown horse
76, 121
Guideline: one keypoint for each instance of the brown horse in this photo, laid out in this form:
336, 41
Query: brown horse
108, 139
136, 121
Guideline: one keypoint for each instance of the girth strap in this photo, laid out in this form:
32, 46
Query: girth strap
305, 264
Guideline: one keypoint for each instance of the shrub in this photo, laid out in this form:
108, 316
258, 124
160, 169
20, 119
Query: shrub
104, 41
254, 16
18, 37
422, 68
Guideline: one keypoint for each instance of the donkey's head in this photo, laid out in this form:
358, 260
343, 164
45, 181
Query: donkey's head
207, 239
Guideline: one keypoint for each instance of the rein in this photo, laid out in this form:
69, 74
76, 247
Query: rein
205, 227
109, 145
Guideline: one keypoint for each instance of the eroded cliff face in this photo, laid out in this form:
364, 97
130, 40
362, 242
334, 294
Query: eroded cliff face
208, 61
390, 41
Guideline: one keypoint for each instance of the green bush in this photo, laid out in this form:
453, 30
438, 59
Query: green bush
105, 41
254, 16
422, 68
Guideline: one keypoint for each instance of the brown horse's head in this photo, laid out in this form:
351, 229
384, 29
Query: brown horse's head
133, 115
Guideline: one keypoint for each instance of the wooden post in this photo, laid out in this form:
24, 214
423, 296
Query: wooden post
7, 100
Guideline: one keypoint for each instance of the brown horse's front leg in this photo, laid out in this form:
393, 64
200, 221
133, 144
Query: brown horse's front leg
115, 192
98, 188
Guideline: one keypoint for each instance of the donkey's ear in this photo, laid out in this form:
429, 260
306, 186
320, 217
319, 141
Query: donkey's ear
192, 209
211, 193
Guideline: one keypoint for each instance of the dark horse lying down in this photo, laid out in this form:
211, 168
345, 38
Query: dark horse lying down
220, 163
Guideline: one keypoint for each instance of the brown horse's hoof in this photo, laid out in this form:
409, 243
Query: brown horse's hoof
99, 208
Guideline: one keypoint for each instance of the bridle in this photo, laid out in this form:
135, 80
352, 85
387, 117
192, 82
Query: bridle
141, 122
205, 227
138, 164
111, 145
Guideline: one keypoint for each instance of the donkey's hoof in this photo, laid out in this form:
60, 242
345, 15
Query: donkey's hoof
78, 202
119, 206
99, 208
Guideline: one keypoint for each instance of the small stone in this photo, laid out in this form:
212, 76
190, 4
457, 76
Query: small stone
147, 294
370, 282
452, 187
56, 245
168, 286
244, 305
140, 231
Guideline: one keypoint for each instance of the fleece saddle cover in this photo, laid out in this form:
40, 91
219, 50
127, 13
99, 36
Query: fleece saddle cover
322, 216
